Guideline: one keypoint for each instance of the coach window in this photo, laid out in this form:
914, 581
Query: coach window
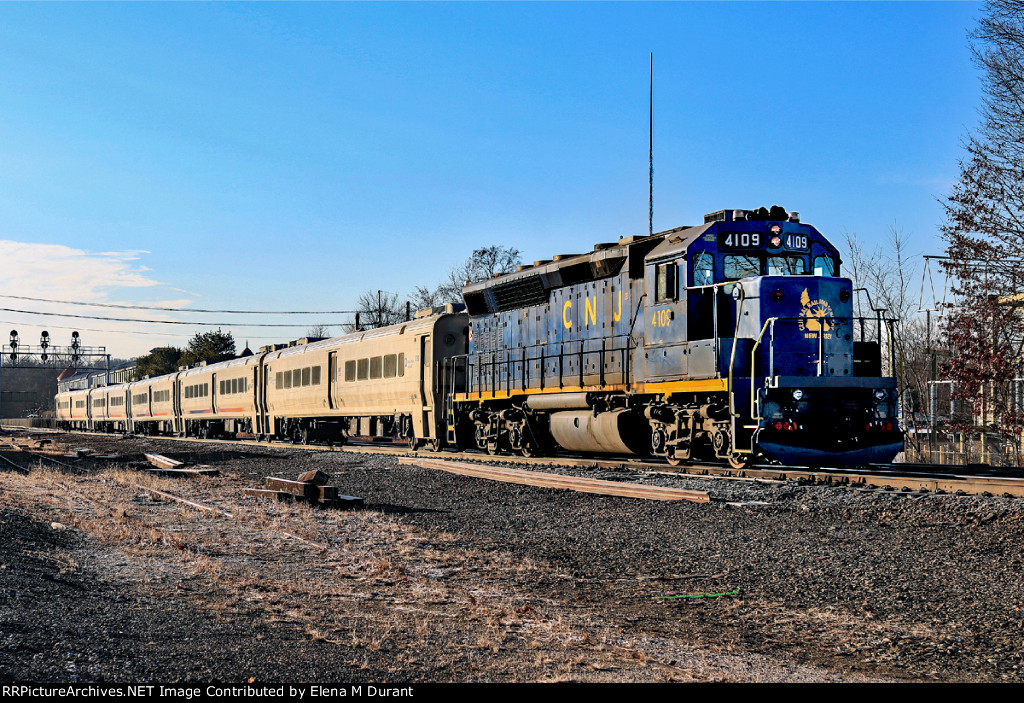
315, 378
350, 370
375, 367
363, 372
740, 266
305, 376
401, 364
703, 269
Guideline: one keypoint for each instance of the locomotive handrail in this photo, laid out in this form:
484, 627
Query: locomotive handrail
834, 321
477, 372
732, 361
754, 415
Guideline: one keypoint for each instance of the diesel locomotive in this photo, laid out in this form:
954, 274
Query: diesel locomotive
733, 340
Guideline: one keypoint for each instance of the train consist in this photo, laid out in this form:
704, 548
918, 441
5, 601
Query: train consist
732, 340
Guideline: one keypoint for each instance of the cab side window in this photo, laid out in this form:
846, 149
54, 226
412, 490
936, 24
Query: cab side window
703, 269
664, 282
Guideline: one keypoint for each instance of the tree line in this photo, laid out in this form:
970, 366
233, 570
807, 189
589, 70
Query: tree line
984, 234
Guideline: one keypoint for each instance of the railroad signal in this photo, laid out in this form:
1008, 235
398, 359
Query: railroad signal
76, 344
14, 345
44, 343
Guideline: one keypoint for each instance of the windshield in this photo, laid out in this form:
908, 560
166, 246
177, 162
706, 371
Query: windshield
824, 265
735, 266
786, 265
741, 266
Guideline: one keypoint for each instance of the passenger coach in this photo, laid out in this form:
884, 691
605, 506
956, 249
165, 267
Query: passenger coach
373, 384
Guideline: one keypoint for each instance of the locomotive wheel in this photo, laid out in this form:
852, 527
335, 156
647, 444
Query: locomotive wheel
413, 442
492, 448
435, 445
304, 434
673, 460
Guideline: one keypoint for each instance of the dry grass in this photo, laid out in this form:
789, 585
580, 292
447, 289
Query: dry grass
379, 587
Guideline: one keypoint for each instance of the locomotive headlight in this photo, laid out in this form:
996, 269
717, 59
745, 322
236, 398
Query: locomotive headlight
797, 394
880, 394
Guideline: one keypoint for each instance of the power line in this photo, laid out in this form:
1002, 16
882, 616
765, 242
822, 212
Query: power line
168, 322
165, 335
200, 310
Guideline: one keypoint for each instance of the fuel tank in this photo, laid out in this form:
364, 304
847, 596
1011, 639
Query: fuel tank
614, 432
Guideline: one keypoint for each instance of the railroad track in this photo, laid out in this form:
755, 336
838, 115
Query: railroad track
896, 478
22, 459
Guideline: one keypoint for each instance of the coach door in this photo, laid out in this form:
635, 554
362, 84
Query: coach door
179, 423
426, 387
261, 402
332, 378
255, 387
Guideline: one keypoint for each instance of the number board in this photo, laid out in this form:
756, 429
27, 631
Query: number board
773, 241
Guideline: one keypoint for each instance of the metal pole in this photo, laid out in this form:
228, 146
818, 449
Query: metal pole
650, 158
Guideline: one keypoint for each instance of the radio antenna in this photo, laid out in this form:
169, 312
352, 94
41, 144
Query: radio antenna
650, 157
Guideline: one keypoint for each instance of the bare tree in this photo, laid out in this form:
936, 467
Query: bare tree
381, 308
887, 273
481, 265
985, 211
320, 331
378, 308
423, 297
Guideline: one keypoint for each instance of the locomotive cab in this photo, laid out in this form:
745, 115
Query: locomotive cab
766, 309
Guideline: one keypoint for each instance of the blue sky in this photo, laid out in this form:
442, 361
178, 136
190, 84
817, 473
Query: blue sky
290, 156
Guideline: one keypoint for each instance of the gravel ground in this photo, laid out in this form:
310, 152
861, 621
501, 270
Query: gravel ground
448, 578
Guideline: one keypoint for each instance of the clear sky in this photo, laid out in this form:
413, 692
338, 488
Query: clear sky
289, 156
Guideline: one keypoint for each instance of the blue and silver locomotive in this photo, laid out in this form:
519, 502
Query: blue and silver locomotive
732, 340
